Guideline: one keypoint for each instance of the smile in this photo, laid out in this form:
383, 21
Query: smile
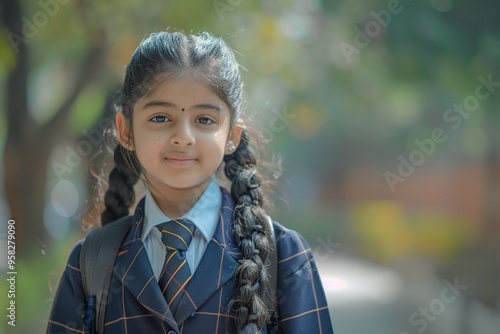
181, 162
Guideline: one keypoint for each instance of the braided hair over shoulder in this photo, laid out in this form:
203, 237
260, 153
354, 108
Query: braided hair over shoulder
250, 230
166, 56
120, 194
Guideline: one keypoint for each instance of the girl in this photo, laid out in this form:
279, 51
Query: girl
196, 257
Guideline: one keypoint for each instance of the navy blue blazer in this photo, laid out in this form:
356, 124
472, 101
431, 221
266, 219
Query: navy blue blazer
136, 304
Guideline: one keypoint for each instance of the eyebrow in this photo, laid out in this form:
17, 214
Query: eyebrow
159, 103
207, 106
167, 104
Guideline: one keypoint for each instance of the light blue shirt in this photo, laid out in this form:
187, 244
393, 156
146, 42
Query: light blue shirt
204, 215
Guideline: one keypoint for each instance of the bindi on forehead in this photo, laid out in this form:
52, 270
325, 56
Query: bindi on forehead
166, 104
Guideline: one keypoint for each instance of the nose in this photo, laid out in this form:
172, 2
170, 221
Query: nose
182, 135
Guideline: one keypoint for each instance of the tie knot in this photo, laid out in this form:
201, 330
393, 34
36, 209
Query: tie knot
177, 233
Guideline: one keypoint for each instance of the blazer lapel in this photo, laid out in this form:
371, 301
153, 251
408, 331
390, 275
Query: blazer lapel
133, 269
217, 265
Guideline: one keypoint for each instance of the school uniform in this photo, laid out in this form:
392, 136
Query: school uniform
137, 305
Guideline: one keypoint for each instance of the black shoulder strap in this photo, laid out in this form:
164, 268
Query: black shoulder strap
96, 263
271, 297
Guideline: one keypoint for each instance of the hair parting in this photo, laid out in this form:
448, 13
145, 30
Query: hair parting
167, 56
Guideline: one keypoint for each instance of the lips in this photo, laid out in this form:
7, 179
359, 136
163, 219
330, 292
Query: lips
180, 160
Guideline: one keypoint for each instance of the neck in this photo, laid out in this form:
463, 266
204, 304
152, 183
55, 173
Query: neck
176, 202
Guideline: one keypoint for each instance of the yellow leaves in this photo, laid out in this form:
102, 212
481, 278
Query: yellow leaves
7, 55
270, 32
306, 123
120, 53
388, 231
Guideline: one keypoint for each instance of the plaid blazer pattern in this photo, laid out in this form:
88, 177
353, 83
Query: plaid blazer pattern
136, 304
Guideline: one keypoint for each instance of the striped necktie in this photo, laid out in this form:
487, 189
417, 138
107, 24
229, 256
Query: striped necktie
176, 234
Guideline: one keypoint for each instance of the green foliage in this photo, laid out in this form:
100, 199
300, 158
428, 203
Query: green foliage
351, 118
87, 109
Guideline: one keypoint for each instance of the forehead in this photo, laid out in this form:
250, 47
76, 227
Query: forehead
184, 92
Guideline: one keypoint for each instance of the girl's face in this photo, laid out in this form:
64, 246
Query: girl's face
180, 134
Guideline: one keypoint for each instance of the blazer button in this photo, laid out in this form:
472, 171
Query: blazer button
171, 332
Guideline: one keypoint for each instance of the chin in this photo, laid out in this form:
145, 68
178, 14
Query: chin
180, 185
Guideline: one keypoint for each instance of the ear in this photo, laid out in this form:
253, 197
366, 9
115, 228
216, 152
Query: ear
124, 133
233, 139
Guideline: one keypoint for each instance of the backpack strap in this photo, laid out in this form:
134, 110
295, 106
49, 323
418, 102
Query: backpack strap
271, 298
97, 258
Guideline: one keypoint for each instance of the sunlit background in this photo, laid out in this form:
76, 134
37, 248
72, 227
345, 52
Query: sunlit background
383, 113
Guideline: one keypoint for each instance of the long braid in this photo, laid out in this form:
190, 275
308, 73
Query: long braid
165, 55
251, 234
120, 194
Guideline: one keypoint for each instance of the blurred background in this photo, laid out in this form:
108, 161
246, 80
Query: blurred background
384, 114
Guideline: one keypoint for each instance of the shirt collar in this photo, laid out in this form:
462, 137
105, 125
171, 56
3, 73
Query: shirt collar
204, 214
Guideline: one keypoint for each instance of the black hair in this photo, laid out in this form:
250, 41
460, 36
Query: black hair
166, 55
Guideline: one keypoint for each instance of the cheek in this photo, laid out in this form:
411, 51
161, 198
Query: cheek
222, 134
147, 146
219, 139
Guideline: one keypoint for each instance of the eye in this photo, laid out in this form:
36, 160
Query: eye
160, 119
205, 120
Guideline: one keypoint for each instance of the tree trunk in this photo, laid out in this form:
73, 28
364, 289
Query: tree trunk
28, 144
